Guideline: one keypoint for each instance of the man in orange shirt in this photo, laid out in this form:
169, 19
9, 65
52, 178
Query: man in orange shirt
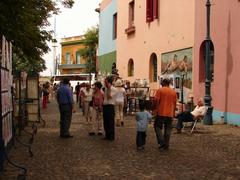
165, 105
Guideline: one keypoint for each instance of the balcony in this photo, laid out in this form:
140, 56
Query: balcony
71, 66
130, 30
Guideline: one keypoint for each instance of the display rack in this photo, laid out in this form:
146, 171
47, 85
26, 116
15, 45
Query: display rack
6, 108
134, 95
6, 129
33, 101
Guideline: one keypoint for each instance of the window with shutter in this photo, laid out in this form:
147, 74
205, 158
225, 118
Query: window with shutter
68, 58
131, 14
131, 27
149, 10
115, 26
202, 61
130, 68
78, 58
155, 9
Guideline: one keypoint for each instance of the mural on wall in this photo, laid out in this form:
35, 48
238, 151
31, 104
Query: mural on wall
176, 65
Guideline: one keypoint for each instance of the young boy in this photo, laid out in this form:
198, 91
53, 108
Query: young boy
142, 119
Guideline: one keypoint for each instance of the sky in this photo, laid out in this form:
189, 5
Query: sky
71, 22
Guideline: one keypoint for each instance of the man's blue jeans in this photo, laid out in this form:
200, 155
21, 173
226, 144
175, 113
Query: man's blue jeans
184, 117
65, 119
160, 123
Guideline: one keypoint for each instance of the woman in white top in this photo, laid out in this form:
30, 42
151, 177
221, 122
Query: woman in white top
120, 99
87, 94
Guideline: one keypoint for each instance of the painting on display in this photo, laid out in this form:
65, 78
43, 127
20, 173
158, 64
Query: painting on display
175, 65
32, 93
32, 88
6, 96
7, 128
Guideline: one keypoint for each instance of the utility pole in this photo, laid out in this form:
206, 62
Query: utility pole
54, 45
90, 65
208, 117
182, 93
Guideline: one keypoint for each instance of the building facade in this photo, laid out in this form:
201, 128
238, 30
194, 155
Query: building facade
151, 33
107, 36
225, 55
165, 38
71, 60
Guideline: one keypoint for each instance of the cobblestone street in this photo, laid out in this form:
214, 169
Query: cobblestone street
211, 153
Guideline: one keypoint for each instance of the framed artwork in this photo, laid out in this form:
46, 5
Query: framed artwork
177, 65
32, 88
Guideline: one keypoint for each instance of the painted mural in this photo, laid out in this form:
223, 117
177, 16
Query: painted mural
177, 65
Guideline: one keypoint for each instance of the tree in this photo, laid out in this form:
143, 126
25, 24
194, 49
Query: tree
90, 42
23, 23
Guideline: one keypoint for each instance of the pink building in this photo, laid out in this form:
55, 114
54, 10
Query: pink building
225, 38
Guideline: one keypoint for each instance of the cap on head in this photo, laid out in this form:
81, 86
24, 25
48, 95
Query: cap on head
118, 83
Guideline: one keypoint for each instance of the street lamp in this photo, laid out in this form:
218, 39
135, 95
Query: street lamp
182, 94
90, 65
208, 117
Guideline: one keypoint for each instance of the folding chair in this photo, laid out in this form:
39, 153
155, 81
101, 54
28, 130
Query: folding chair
194, 123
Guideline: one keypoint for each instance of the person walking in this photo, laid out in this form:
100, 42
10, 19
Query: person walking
77, 90
66, 108
87, 94
108, 109
165, 105
97, 102
142, 119
45, 94
80, 96
119, 104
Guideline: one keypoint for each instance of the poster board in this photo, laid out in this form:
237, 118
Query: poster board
32, 88
6, 95
33, 99
32, 109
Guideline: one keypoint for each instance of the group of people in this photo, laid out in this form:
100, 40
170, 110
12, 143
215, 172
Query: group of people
100, 105
105, 105
91, 99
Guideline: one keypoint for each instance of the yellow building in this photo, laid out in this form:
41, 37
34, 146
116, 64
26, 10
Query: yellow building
71, 61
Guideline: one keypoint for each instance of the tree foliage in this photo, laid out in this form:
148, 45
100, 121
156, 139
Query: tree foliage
31, 66
90, 42
23, 22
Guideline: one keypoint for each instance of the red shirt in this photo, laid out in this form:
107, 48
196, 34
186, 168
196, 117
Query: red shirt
165, 99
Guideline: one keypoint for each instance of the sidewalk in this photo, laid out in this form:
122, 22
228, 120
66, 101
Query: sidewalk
213, 153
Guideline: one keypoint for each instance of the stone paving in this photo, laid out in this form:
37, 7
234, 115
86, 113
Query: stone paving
211, 153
